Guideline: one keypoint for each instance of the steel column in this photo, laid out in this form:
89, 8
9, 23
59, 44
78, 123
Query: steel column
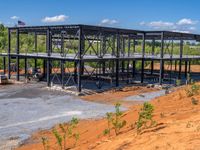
117, 60
4, 65
180, 60
186, 68
80, 49
143, 53
48, 49
25, 67
153, 50
9, 49
161, 59
62, 73
17, 52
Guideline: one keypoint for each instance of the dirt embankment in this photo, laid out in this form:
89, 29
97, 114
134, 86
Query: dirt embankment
193, 68
178, 127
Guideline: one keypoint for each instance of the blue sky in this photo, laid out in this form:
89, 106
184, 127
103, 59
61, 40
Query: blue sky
176, 15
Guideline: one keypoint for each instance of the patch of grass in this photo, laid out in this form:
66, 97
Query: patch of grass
115, 121
145, 116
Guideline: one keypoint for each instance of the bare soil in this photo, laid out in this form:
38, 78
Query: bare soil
177, 127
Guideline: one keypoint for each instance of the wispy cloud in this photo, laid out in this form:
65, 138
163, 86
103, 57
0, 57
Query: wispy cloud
108, 22
182, 25
186, 21
54, 19
14, 17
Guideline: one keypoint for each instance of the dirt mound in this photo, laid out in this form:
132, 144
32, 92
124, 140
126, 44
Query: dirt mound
177, 127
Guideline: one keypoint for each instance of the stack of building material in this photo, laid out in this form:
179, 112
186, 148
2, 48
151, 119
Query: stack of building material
3, 79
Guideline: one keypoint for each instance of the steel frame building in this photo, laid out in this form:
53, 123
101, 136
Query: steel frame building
111, 53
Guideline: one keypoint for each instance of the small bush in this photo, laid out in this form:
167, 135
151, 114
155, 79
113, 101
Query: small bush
58, 138
115, 121
178, 82
145, 116
193, 90
66, 133
45, 143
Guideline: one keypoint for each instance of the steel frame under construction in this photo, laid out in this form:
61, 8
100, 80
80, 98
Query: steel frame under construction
77, 54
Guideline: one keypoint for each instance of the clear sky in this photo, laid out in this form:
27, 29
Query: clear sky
176, 15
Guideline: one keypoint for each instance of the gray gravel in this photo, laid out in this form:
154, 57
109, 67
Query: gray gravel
24, 109
145, 96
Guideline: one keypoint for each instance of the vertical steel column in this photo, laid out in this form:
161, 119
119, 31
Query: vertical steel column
61, 61
161, 59
62, 73
35, 63
143, 53
129, 48
75, 72
35, 41
44, 68
17, 52
123, 50
175, 65
180, 59
153, 51
48, 50
186, 68
189, 67
4, 65
80, 49
104, 50
117, 60
9, 49
25, 67
133, 67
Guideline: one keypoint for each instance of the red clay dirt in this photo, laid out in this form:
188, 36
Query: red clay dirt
177, 127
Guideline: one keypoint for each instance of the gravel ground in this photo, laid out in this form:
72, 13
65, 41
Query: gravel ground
27, 108
145, 96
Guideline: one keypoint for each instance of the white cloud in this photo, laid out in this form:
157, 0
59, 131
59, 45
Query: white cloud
158, 24
186, 21
59, 18
182, 31
183, 25
14, 17
108, 22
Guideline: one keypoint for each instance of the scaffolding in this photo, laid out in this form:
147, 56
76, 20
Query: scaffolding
77, 55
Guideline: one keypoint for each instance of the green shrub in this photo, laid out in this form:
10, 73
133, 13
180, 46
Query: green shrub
145, 116
178, 82
45, 143
193, 90
58, 138
66, 133
115, 121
